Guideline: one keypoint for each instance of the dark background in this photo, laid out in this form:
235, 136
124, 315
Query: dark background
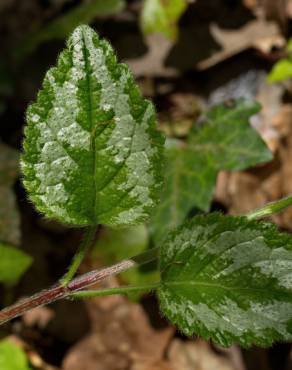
182, 77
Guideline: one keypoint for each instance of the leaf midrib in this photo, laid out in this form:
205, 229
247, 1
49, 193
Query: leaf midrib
90, 120
216, 285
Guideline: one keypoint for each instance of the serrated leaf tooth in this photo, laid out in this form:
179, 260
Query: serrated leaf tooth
231, 283
91, 112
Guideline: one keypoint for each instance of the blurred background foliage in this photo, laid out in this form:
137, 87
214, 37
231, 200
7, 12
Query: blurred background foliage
186, 57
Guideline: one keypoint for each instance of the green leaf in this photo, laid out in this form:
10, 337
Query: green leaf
228, 279
282, 70
12, 357
9, 214
61, 27
114, 245
224, 141
162, 16
227, 138
13, 264
92, 153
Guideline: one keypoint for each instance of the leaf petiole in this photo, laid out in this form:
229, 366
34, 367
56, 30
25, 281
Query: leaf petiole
117, 290
79, 256
270, 208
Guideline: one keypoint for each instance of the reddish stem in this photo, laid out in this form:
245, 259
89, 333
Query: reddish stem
60, 291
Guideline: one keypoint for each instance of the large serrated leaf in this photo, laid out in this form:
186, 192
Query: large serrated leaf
92, 153
228, 279
224, 141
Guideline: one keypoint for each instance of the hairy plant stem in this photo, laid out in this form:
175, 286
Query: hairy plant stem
79, 256
270, 208
60, 291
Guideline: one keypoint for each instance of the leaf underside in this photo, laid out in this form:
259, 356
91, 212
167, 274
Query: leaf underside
92, 153
229, 280
224, 141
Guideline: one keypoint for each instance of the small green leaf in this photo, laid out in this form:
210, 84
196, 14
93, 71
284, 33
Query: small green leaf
12, 357
228, 279
92, 153
13, 264
161, 16
61, 27
114, 245
281, 71
225, 141
228, 140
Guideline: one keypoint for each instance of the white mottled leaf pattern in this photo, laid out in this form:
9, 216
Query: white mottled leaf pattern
228, 279
92, 153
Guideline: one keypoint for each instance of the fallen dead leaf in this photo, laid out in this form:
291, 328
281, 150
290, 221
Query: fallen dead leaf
251, 4
156, 365
152, 63
9, 214
270, 98
196, 355
259, 34
276, 10
241, 192
121, 338
39, 316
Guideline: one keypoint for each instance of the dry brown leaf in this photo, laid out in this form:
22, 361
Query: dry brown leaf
235, 356
259, 34
243, 191
121, 338
39, 316
270, 98
276, 10
251, 4
197, 355
9, 216
149, 365
152, 63
289, 8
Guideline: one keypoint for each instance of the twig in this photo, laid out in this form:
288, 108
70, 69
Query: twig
60, 291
